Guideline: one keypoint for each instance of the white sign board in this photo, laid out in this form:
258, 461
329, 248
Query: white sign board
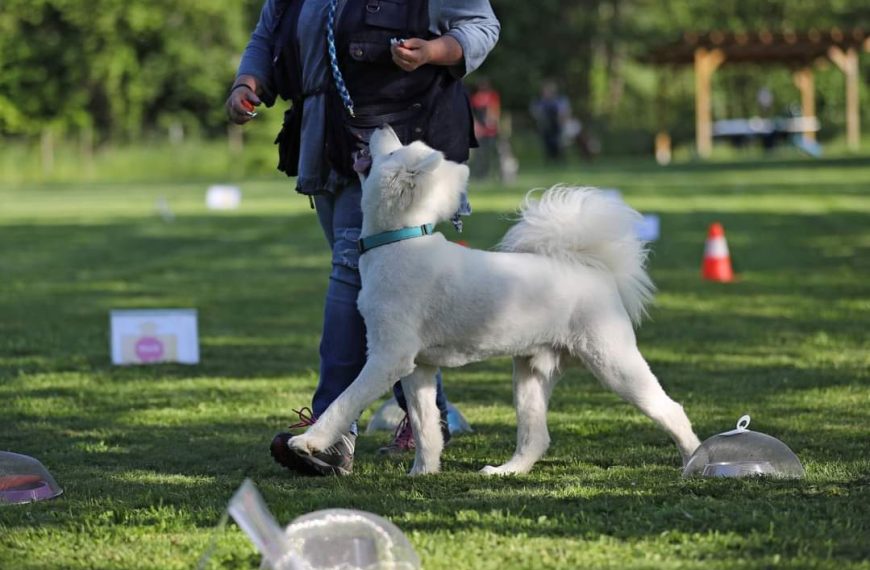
647, 229
221, 197
152, 336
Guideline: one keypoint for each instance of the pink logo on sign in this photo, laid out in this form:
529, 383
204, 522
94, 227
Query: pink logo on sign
149, 349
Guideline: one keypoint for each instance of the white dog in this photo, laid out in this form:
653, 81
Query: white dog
568, 283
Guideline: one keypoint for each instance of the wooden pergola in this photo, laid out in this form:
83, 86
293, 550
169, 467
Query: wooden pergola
797, 50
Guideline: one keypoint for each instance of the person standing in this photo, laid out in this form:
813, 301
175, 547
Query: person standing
486, 109
551, 112
348, 67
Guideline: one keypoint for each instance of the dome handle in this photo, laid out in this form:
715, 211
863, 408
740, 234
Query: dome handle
742, 426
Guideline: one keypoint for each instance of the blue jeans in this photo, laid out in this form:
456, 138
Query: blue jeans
343, 342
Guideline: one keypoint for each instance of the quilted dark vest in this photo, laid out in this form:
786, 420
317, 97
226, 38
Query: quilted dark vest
427, 104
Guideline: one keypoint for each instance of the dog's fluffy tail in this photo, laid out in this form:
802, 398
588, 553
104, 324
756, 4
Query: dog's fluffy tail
588, 226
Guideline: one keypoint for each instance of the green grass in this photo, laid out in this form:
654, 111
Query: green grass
149, 456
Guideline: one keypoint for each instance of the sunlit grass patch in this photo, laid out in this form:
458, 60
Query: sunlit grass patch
149, 456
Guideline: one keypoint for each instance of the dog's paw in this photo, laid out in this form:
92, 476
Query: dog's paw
491, 470
417, 471
508, 468
302, 445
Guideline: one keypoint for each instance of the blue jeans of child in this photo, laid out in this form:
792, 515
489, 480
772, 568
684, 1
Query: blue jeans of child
343, 342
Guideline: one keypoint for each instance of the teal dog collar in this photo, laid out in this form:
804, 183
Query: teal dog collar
383, 238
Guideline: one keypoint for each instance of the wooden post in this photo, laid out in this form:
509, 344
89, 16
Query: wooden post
663, 148
847, 61
46, 145
235, 138
706, 62
86, 148
803, 79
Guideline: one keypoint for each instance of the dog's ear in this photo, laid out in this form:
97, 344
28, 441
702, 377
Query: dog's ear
429, 163
384, 141
398, 187
400, 184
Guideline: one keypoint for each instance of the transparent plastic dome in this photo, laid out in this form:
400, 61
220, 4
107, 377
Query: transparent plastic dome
331, 539
23, 479
344, 539
743, 453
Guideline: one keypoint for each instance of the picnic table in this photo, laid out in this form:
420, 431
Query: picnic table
770, 131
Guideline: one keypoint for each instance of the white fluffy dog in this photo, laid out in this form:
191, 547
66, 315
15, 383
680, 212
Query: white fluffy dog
568, 283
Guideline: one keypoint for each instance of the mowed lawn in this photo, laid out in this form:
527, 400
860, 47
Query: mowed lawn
149, 456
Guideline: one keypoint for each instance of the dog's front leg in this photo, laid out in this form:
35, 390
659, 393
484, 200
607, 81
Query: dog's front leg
376, 378
420, 389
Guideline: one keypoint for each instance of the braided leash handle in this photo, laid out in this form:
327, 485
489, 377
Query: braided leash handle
337, 78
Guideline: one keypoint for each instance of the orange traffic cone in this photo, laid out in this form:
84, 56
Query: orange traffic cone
717, 260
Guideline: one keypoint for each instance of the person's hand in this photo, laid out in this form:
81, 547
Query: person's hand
240, 104
411, 53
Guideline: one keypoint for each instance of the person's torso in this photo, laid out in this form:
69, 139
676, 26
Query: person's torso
364, 33
427, 103
311, 45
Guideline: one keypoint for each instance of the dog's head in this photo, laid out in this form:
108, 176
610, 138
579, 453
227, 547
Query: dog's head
409, 185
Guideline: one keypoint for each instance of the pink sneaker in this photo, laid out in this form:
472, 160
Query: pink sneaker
403, 437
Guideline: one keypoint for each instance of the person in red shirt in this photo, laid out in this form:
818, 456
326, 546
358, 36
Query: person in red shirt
486, 110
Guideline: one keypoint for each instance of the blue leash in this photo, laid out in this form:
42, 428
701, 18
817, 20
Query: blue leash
337, 77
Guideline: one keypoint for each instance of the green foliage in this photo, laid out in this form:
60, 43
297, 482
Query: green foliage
112, 71
149, 456
119, 67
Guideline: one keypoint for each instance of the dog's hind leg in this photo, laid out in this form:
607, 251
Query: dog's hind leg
622, 368
378, 375
420, 388
533, 383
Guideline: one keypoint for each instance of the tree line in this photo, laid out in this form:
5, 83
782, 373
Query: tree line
118, 70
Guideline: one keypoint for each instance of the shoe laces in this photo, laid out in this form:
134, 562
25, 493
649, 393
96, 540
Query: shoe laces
306, 418
404, 435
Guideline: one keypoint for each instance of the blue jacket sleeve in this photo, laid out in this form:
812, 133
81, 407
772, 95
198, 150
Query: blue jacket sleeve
473, 24
257, 57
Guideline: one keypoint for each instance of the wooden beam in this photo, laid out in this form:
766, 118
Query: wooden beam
706, 62
803, 79
847, 61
